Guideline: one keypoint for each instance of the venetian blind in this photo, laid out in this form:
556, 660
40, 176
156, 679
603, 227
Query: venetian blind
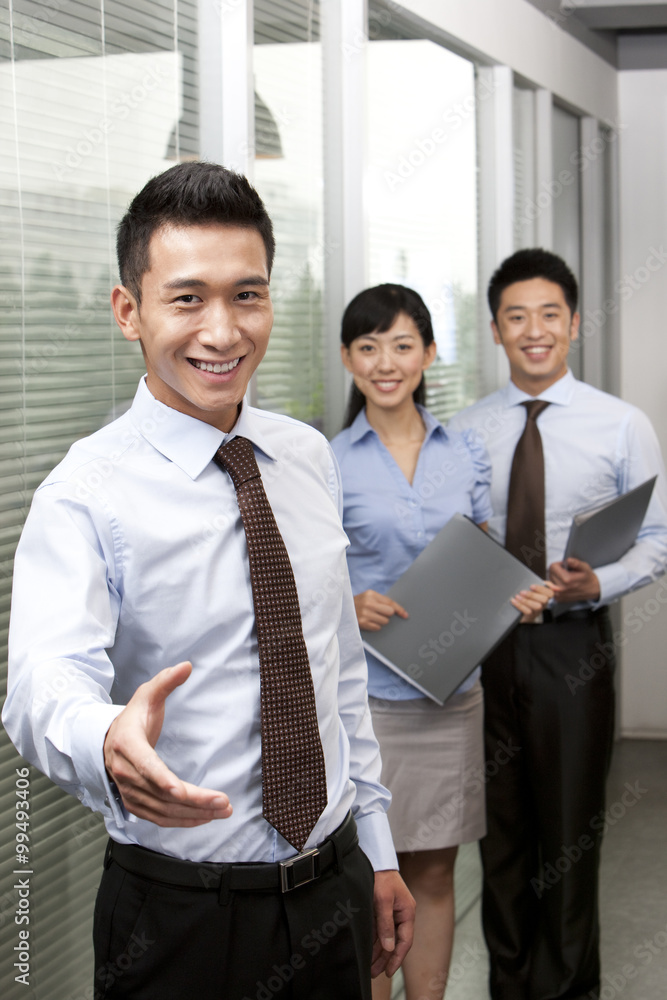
96, 98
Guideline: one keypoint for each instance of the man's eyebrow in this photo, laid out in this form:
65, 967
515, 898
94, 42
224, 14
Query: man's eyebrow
253, 279
185, 283
542, 305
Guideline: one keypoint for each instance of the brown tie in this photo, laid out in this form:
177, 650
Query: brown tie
525, 535
294, 788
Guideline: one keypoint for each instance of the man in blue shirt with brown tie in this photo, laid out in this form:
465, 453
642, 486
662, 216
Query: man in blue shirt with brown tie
140, 685
549, 688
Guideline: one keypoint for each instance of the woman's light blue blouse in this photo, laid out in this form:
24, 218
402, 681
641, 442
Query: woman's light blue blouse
389, 521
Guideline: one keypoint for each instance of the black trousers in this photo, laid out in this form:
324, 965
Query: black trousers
161, 942
549, 723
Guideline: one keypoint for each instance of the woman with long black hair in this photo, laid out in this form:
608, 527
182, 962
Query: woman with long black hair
404, 476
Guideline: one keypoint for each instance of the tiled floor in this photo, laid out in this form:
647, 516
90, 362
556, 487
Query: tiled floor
633, 897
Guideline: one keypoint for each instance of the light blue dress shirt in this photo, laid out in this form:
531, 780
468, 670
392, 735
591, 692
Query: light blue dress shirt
134, 558
389, 521
596, 447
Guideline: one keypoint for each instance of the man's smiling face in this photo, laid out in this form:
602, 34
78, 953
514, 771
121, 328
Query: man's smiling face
535, 326
204, 319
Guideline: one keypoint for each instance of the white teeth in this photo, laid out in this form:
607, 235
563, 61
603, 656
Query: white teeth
207, 366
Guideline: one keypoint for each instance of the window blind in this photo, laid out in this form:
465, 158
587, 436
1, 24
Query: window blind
95, 98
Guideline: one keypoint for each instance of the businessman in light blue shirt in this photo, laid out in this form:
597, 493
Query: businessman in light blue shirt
541, 853
137, 685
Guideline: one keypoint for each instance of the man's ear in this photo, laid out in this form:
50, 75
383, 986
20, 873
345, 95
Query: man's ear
497, 339
574, 326
126, 312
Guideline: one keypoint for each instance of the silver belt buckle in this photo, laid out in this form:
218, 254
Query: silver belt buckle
300, 870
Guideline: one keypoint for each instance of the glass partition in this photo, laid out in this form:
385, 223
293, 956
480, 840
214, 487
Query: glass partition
288, 173
421, 197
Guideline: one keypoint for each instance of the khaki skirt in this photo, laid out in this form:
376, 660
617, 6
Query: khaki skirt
433, 764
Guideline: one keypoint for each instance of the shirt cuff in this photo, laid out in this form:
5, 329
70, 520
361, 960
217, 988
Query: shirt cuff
97, 791
375, 841
614, 580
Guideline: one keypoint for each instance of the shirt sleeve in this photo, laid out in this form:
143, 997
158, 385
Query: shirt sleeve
372, 798
639, 458
481, 492
64, 617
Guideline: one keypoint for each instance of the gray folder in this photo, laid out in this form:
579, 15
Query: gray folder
603, 534
457, 593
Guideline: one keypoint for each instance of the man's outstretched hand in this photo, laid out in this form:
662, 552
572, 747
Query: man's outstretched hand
147, 787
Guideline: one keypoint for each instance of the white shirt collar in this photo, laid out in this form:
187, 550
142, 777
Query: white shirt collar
560, 392
187, 442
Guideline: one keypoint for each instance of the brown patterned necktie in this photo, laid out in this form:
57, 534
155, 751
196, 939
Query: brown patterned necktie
294, 788
525, 535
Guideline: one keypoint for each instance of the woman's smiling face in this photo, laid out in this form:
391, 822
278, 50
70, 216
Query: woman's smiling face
387, 367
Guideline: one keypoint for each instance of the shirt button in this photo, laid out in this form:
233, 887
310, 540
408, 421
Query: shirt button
413, 503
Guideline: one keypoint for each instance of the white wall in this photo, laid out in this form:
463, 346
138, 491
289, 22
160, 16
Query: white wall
643, 212
516, 34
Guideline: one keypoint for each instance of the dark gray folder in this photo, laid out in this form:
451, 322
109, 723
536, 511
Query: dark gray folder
457, 592
602, 535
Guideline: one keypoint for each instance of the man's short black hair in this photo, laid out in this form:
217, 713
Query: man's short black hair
189, 194
533, 263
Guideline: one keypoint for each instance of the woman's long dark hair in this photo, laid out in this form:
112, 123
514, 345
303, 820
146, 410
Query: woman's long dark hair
374, 311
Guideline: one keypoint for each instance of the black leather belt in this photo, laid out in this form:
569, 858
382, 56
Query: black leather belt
279, 875
578, 614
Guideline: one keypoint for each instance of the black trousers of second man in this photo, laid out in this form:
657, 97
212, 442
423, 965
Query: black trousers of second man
549, 697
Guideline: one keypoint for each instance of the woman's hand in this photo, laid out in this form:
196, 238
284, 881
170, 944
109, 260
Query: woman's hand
374, 610
532, 602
